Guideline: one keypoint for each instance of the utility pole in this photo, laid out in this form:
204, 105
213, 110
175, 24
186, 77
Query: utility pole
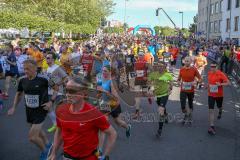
182, 18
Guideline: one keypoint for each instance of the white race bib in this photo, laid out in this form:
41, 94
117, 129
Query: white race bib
187, 86
213, 88
140, 73
128, 60
166, 60
32, 101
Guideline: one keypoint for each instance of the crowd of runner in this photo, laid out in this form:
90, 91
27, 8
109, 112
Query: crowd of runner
56, 80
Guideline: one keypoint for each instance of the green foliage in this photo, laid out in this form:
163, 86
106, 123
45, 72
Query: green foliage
78, 16
114, 30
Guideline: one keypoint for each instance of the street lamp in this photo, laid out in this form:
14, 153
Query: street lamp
125, 13
182, 18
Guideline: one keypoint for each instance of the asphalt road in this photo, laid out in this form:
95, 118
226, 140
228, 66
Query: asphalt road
177, 142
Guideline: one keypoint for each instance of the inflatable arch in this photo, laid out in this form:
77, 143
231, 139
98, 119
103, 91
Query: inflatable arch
144, 27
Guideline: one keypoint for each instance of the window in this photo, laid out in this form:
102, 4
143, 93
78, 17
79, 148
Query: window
203, 11
216, 7
220, 6
237, 3
211, 27
229, 4
228, 25
212, 9
216, 26
236, 21
219, 26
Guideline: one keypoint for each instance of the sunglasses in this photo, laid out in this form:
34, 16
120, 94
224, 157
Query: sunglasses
48, 58
213, 66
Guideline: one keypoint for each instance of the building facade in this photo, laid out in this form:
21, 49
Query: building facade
202, 17
219, 19
230, 28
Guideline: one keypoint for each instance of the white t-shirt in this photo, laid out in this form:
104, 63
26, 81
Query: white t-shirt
56, 74
75, 57
20, 60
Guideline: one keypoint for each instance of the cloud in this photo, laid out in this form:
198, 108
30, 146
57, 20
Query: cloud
168, 5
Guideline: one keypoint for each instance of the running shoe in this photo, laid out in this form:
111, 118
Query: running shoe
159, 133
52, 129
128, 131
49, 149
184, 119
211, 131
219, 114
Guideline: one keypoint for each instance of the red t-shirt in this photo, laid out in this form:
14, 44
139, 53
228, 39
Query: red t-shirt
188, 75
175, 52
87, 62
141, 69
80, 138
238, 56
213, 77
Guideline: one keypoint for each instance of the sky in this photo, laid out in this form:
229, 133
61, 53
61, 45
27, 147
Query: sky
144, 12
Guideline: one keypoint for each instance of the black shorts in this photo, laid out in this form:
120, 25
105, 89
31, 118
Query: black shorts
35, 115
140, 82
10, 74
212, 100
174, 62
116, 112
162, 101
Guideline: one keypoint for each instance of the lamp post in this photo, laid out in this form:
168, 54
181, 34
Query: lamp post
182, 18
125, 14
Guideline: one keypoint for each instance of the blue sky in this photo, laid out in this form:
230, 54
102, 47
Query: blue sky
143, 12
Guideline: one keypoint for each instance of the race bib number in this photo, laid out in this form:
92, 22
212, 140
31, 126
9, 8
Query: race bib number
32, 101
166, 60
104, 107
187, 86
128, 60
213, 88
140, 73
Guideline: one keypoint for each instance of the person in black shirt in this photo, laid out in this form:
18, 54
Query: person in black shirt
35, 89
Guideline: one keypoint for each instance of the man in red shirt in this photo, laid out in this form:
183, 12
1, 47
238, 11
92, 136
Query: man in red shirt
78, 126
140, 67
187, 76
216, 81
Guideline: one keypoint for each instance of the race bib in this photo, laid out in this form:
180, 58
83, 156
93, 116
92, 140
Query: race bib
213, 88
140, 73
166, 60
187, 86
128, 60
32, 101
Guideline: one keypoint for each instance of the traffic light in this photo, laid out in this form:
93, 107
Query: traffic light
156, 12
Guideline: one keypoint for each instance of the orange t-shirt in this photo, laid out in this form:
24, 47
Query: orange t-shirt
200, 61
175, 52
213, 78
37, 56
63, 59
149, 58
188, 75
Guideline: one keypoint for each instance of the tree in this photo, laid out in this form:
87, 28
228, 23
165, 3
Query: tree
73, 15
193, 26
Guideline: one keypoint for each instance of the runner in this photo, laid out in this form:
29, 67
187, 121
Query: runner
162, 82
140, 69
11, 69
57, 77
216, 81
200, 64
187, 75
35, 89
80, 140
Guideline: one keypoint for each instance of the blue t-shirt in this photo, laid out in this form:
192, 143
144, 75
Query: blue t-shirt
13, 68
106, 86
98, 66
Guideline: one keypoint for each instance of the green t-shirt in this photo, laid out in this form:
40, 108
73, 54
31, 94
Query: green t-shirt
227, 53
160, 83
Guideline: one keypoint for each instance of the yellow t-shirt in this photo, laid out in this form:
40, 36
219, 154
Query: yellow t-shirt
45, 65
65, 58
